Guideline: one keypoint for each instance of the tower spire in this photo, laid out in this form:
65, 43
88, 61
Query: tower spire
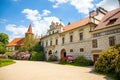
30, 29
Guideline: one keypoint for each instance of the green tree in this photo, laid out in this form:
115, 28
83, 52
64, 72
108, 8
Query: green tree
2, 48
4, 38
36, 47
36, 51
27, 43
37, 56
3, 41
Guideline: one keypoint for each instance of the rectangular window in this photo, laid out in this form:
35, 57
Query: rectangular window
94, 43
112, 41
63, 40
71, 50
46, 43
81, 36
81, 50
71, 38
56, 41
51, 43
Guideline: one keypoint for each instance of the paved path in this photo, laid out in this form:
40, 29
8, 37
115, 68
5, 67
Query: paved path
28, 70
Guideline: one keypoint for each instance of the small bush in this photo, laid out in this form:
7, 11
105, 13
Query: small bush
109, 61
37, 56
2, 56
52, 58
105, 61
80, 60
19, 55
116, 64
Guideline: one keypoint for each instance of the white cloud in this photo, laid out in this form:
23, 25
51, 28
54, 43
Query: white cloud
82, 6
17, 31
40, 22
109, 4
46, 12
58, 2
32, 15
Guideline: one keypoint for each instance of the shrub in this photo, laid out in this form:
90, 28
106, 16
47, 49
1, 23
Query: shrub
2, 56
116, 64
106, 61
70, 58
37, 56
81, 60
19, 55
53, 58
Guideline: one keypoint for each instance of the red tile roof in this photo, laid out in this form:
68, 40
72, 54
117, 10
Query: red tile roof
76, 24
109, 16
16, 42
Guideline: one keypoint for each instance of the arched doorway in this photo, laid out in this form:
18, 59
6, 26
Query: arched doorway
50, 52
63, 53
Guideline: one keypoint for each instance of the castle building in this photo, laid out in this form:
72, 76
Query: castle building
16, 43
86, 37
106, 33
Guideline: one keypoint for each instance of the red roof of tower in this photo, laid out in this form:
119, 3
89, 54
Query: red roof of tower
30, 29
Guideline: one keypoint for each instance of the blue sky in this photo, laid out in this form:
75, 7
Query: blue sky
16, 15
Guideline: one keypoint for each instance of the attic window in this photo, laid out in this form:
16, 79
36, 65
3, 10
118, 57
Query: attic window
112, 21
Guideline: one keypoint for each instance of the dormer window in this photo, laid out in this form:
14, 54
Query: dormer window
92, 28
112, 21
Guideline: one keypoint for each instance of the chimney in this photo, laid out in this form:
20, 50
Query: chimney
69, 23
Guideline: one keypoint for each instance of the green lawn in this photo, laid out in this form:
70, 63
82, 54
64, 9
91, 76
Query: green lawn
5, 62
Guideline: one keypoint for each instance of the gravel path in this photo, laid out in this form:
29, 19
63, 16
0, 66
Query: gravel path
28, 70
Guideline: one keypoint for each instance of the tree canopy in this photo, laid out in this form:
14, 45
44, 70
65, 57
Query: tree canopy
2, 48
4, 38
3, 41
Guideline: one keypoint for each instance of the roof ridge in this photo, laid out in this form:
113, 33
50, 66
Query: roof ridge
113, 14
